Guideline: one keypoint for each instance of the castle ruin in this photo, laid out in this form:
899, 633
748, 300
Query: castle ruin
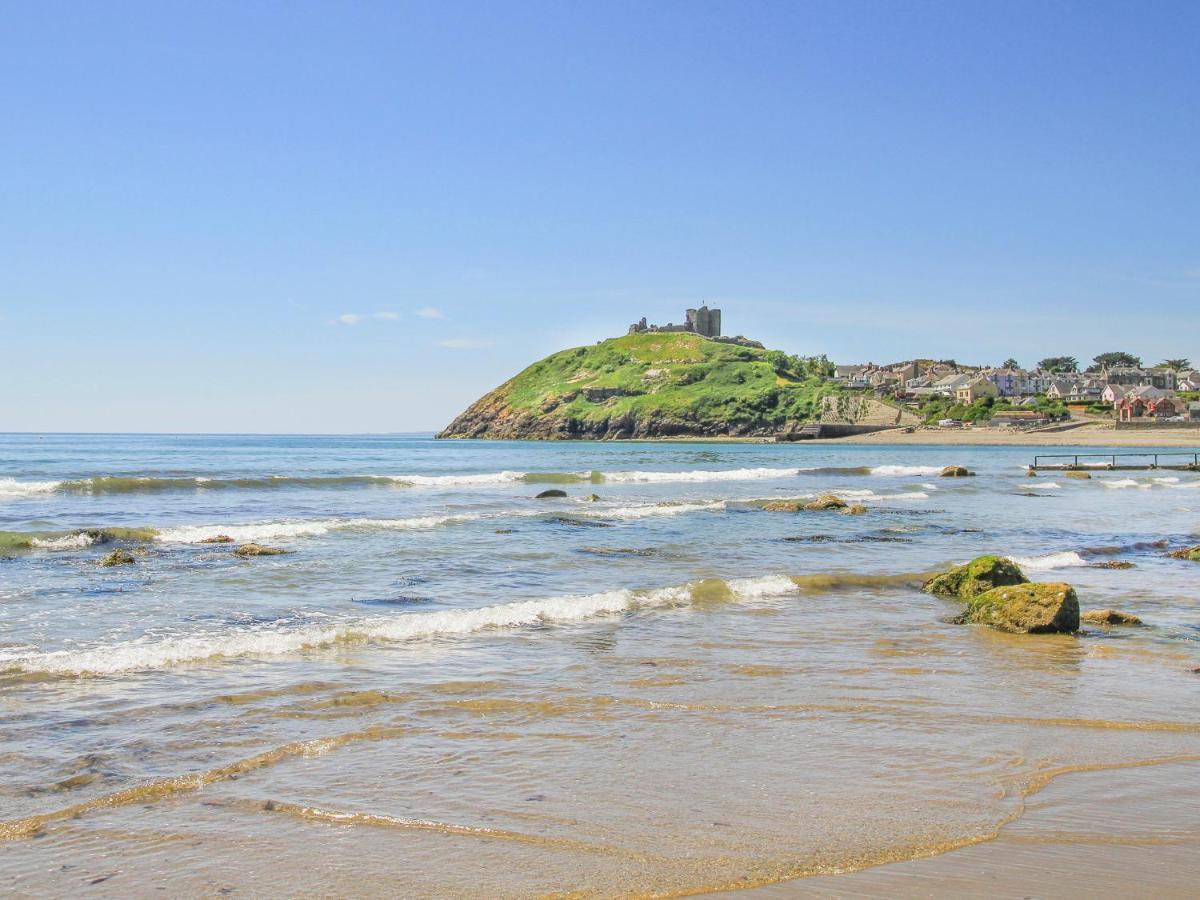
703, 321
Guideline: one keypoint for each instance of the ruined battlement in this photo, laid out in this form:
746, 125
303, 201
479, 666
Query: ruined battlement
703, 321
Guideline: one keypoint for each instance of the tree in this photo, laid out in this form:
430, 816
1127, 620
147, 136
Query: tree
1059, 364
1117, 358
1177, 364
1010, 363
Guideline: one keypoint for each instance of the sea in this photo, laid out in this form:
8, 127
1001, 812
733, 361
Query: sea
448, 686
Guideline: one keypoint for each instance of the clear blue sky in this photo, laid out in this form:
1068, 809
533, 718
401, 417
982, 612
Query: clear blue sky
192, 194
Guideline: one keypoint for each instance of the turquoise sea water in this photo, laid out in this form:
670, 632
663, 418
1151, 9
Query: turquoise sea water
432, 617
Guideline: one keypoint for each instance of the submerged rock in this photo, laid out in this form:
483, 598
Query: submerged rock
856, 509
1030, 473
1109, 617
247, 550
1188, 553
1042, 608
826, 501
504, 531
218, 539
1075, 473
980, 575
1113, 564
955, 472
618, 551
553, 492
117, 558
592, 498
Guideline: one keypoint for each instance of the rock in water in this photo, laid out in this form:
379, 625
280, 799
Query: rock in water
1026, 609
552, 493
826, 501
1112, 564
1188, 553
856, 510
955, 472
247, 550
980, 575
117, 558
782, 505
1109, 617
1077, 474
218, 539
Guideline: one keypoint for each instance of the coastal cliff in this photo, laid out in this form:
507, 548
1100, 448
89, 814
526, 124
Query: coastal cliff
652, 385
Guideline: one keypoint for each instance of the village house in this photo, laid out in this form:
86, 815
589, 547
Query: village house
974, 389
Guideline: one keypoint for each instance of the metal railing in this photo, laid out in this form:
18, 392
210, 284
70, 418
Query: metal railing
1152, 463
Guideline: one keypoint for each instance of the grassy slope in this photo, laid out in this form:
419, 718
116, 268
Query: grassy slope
681, 378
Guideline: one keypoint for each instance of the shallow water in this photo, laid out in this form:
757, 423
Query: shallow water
449, 687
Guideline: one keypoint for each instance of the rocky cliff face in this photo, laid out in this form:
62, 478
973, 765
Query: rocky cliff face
650, 386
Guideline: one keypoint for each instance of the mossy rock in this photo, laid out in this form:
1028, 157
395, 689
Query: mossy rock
1109, 617
782, 505
117, 558
856, 509
1112, 564
955, 472
1191, 554
1041, 608
218, 539
1075, 473
982, 574
553, 493
826, 501
247, 550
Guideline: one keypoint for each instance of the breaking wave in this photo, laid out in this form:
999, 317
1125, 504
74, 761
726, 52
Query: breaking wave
10, 487
132, 656
906, 470
1066, 559
266, 531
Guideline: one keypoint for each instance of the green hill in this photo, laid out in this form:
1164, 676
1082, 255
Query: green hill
652, 385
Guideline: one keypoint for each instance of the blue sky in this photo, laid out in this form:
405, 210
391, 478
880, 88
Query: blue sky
360, 216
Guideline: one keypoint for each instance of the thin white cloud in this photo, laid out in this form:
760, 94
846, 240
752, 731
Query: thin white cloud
357, 318
430, 312
464, 344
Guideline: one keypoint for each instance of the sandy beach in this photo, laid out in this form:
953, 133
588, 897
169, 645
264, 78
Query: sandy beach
1098, 435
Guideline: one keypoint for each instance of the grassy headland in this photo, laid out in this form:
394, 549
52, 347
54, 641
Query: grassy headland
653, 385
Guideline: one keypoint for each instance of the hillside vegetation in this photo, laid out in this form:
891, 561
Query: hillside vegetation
652, 385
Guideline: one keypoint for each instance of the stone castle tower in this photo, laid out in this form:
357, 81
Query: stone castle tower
703, 321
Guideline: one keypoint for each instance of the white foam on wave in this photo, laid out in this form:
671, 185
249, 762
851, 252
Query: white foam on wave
906, 470
10, 487
459, 480
1122, 483
66, 542
1051, 485
873, 496
659, 509
149, 654
701, 475
266, 531
1065, 559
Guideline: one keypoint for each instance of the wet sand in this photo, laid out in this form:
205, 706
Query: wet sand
1089, 833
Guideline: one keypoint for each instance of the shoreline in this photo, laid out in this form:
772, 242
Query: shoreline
1084, 436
